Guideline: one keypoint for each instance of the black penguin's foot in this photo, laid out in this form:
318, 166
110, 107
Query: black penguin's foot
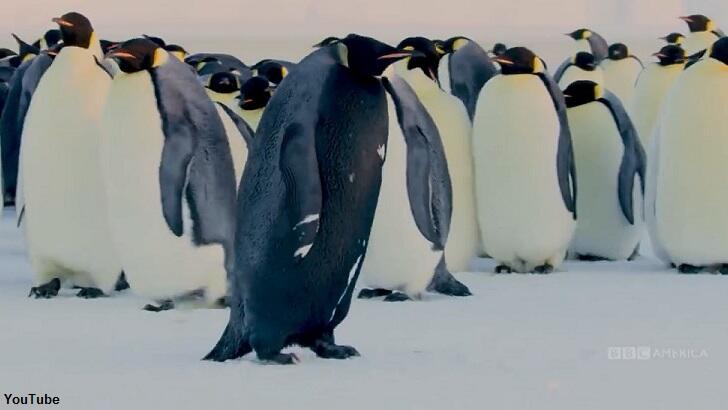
543, 269
373, 293
449, 286
90, 293
164, 305
397, 297
47, 290
590, 258
689, 269
503, 269
281, 358
121, 283
328, 350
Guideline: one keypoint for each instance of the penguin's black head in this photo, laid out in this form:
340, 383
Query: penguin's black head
580, 34
429, 59
719, 51
582, 92
673, 38
274, 71
519, 60
177, 51
671, 54
367, 56
6, 52
76, 29
698, 23
49, 39
157, 40
585, 61
255, 93
499, 49
137, 55
618, 51
453, 44
209, 65
224, 83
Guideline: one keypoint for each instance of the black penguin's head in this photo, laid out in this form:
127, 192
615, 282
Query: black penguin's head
177, 51
255, 93
582, 92
673, 38
223, 83
499, 49
274, 71
580, 34
157, 40
585, 61
427, 61
137, 55
519, 60
453, 44
365, 55
49, 39
618, 51
698, 23
76, 29
719, 51
6, 52
670, 54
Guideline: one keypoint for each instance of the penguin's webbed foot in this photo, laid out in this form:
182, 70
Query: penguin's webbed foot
397, 297
590, 258
280, 358
90, 293
723, 270
373, 293
121, 283
446, 284
328, 350
503, 269
689, 269
46, 291
543, 269
164, 305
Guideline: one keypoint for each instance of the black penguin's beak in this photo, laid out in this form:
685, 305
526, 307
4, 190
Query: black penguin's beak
686, 19
658, 55
400, 54
120, 53
62, 22
503, 60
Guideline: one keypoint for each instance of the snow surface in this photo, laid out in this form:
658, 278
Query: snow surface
521, 342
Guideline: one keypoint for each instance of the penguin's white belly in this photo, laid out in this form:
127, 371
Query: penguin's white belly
157, 263
602, 229
443, 74
66, 224
238, 148
523, 220
620, 78
691, 191
653, 161
252, 117
695, 42
575, 73
398, 256
652, 87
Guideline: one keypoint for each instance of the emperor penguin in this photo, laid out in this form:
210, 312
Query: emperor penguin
254, 96
609, 160
453, 124
591, 42
210, 63
693, 138
170, 178
525, 182
582, 66
176, 51
464, 69
63, 209
621, 70
674, 38
404, 257
308, 209
703, 33
651, 88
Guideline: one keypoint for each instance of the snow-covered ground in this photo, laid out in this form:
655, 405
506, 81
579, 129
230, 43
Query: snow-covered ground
521, 342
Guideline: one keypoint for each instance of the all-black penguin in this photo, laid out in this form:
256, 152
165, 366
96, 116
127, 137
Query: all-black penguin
703, 33
313, 179
621, 70
674, 38
464, 69
591, 42
583, 66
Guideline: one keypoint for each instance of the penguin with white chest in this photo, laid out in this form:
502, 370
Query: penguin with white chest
170, 179
609, 158
414, 213
583, 66
693, 139
621, 70
703, 33
63, 206
525, 182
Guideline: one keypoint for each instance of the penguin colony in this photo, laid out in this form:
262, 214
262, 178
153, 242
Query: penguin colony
274, 189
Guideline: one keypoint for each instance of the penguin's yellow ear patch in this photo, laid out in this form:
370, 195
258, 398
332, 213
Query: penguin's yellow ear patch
160, 57
598, 91
538, 65
409, 48
284, 72
440, 50
586, 34
459, 43
710, 26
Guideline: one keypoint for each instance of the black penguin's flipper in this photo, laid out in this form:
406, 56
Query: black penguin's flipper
428, 180
694, 58
719, 33
245, 131
565, 165
562, 69
196, 161
445, 283
634, 160
470, 68
599, 46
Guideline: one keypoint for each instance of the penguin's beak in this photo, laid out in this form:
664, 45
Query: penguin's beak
686, 19
399, 54
62, 22
119, 53
503, 60
659, 55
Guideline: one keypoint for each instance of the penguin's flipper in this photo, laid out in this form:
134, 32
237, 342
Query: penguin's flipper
6, 73
428, 180
719, 33
196, 164
599, 46
470, 68
565, 165
694, 58
634, 160
562, 69
245, 131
